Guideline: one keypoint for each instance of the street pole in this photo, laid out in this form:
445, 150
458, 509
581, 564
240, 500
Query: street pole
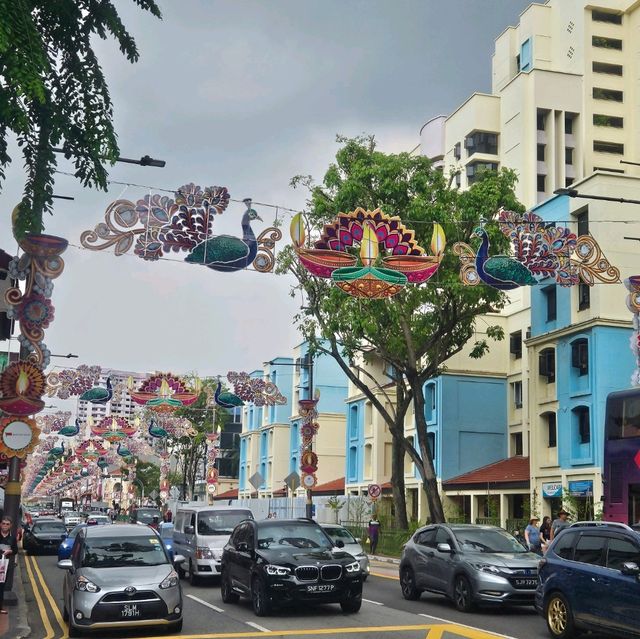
309, 504
12, 509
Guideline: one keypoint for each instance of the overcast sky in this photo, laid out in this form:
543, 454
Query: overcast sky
245, 94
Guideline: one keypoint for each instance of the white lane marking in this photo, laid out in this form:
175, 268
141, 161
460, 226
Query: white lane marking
205, 603
463, 625
257, 627
375, 603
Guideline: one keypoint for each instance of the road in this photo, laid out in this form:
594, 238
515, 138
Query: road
384, 614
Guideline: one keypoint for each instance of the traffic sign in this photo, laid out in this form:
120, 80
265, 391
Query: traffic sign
174, 492
18, 436
309, 481
153, 494
256, 480
211, 489
292, 481
374, 490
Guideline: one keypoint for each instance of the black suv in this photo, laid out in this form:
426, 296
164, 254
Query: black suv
283, 561
589, 579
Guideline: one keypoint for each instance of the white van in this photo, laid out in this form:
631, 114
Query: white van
200, 533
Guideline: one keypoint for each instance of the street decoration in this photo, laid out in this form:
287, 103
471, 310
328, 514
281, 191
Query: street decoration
381, 239
18, 436
164, 393
309, 429
56, 423
39, 265
156, 431
540, 250
98, 394
91, 449
160, 225
213, 450
112, 429
632, 284
256, 390
22, 385
70, 382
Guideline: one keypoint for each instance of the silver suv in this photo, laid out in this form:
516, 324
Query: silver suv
120, 576
469, 564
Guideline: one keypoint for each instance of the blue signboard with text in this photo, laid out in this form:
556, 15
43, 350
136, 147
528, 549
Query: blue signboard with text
582, 488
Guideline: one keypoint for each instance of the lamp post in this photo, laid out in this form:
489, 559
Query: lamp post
607, 198
145, 160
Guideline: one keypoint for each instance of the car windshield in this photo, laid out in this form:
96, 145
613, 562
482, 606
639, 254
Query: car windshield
119, 552
219, 522
49, 527
71, 514
166, 531
487, 540
146, 516
292, 536
338, 533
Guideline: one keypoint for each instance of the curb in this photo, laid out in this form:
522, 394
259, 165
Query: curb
386, 560
21, 628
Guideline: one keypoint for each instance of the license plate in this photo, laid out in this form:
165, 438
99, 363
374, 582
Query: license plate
130, 611
320, 588
527, 583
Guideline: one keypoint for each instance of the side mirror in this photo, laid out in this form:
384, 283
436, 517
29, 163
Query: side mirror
444, 548
179, 559
189, 530
339, 543
358, 540
65, 564
63, 537
242, 546
630, 568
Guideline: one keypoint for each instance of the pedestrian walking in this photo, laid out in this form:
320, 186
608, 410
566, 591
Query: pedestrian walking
559, 523
373, 531
545, 529
9, 549
532, 536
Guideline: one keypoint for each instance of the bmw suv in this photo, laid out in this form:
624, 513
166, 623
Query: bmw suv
275, 562
469, 564
590, 580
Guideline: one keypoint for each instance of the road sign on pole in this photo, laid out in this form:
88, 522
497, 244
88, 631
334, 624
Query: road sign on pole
153, 494
174, 492
256, 480
374, 490
292, 481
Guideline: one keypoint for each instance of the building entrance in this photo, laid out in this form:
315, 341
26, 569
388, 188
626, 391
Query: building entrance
634, 504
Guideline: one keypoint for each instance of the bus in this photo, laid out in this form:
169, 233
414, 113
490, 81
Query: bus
621, 472
66, 504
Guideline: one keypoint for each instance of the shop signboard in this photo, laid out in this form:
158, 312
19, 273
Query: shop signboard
582, 488
552, 489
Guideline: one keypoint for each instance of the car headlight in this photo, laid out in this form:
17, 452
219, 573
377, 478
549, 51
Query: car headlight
84, 585
353, 567
494, 570
277, 571
204, 552
171, 580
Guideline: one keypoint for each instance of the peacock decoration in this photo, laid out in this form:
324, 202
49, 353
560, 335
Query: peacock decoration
70, 431
123, 451
156, 431
158, 225
389, 254
225, 398
98, 394
540, 250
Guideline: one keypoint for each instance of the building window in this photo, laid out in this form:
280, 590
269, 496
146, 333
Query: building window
583, 222
568, 156
547, 364
606, 43
607, 94
608, 147
605, 16
458, 180
517, 394
475, 169
568, 182
550, 296
516, 444
525, 56
430, 402
456, 151
515, 344
568, 123
607, 120
584, 427
584, 296
552, 431
605, 67
580, 356
541, 148
431, 443
481, 142
542, 183
541, 120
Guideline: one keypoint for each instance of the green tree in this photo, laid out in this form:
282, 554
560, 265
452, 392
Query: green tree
53, 92
418, 330
148, 476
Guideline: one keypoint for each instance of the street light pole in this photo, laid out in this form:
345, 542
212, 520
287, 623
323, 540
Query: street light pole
607, 198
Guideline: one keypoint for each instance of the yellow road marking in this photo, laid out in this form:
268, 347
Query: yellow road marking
470, 633
41, 607
379, 574
435, 633
48, 595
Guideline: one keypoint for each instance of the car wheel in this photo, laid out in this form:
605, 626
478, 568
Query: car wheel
174, 627
193, 578
352, 605
462, 594
408, 584
260, 598
559, 617
226, 591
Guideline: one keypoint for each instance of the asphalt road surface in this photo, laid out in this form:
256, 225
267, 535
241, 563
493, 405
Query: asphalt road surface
384, 614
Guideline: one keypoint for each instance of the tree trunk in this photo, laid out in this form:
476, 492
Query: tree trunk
397, 484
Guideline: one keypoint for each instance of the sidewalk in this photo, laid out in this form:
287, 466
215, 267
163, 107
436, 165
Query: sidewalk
15, 625
384, 560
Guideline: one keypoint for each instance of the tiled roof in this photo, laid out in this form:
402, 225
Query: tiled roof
334, 486
229, 494
514, 470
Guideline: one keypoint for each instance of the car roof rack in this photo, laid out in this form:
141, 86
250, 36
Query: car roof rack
597, 524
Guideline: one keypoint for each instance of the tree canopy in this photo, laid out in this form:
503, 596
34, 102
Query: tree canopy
419, 329
53, 92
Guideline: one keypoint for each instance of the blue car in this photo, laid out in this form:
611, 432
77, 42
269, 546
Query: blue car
589, 579
165, 530
65, 548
